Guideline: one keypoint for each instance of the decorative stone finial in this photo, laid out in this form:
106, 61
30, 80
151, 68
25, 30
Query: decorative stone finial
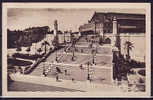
114, 18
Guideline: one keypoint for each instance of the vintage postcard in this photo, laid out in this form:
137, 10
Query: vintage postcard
76, 50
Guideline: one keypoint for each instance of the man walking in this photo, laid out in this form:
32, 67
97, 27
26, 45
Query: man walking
57, 77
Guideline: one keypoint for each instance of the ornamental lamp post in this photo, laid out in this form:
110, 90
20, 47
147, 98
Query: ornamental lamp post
93, 55
64, 38
88, 77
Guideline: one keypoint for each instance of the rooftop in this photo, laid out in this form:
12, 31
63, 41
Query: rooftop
100, 16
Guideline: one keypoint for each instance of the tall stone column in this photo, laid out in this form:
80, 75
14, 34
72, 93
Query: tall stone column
115, 27
101, 30
56, 38
55, 28
115, 49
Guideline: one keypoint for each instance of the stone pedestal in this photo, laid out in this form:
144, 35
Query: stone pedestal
115, 27
23, 69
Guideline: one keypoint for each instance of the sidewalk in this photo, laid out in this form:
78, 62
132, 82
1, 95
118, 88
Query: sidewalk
76, 85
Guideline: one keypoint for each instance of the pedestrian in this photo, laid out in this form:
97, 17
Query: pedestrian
56, 59
73, 80
57, 78
81, 50
58, 70
49, 68
65, 72
65, 50
81, 67
90, 80
44, 72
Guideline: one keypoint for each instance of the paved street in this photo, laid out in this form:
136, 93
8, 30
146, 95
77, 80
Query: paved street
66, 85
24, 86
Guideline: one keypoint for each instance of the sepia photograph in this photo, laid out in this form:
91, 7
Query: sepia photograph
76, 49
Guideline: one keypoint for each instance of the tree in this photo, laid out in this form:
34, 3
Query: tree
128, 46
18, 43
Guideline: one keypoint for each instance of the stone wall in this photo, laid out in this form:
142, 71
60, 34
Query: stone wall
137, 39
139, 49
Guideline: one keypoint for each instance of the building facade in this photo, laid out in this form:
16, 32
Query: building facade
103, 22
128, 27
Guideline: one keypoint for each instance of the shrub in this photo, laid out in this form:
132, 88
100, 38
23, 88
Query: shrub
15, 62
26, 56
137, 64
142, 72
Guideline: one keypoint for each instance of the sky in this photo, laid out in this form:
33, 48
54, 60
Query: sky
68, 19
